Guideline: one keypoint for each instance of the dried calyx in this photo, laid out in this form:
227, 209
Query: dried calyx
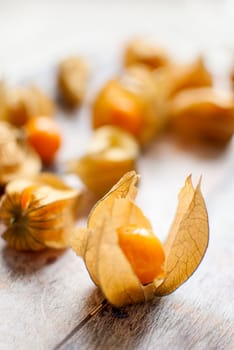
38, 212
116, 238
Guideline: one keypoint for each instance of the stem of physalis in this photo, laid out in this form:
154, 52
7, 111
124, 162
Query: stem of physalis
94, 312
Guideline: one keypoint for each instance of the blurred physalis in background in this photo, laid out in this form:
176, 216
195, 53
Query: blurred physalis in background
138, 101
72, 80
142, 51
202, 115
17, 158
130, 102
44, 135
23, 103
176, 77
111, 153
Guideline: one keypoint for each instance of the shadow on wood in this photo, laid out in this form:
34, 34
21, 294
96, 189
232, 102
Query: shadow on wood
119, 324
198, 149
22, 263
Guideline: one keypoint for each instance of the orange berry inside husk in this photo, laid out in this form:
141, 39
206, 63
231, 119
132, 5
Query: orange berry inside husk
44, 136
117, 106
143, 250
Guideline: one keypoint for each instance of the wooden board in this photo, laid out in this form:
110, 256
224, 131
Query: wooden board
44, 296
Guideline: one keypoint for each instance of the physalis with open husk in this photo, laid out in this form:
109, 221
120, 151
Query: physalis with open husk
126, 260
38, 212
111, 153
130, 103
17, 158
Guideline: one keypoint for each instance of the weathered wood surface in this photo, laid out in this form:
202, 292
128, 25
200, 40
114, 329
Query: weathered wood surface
44, 296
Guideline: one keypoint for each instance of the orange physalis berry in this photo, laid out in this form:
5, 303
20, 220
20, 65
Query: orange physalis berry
44, 135
117, 106
143, 250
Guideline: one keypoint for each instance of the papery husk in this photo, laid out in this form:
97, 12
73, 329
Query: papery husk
141, 51
203, 114
110, 213
111, 153
187, 239
73, 77
17, 158
49, 217
99, 246
99, 174
125, 188
108, 266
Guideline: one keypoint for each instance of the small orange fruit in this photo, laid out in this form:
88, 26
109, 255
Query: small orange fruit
117, 106
44, 136
143, 250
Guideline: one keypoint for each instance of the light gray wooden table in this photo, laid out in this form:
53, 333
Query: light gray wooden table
44, 296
